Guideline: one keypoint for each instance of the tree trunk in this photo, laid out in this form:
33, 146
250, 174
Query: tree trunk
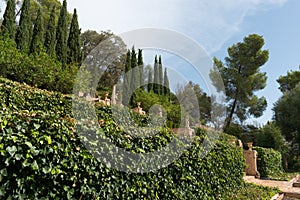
229, 118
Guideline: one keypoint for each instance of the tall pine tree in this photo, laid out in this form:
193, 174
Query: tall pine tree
141, 67
127, 79
61, 35
9, 20
160, 78
23, 37
242, 77
74, 44
38, 35
50, 40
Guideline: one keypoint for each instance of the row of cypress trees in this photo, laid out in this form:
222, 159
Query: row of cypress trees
161, 80
57, 41
134, 79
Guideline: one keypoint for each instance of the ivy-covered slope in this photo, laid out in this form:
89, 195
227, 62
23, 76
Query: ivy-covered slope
42, 157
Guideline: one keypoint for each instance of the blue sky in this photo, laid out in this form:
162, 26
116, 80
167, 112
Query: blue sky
214, 24
280, 27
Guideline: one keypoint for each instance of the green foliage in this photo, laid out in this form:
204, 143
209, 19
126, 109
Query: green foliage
156, 76
251, 191
270, 137
204, 103
149, 102
50, 38
74, 43
135, 73
127, 79
286, 117
160, 77
24, 30
289, 81
65, 79
235, 130
37, 70
148, 99
141, 67
46, 6
242, 77
269, 162
166, 83
17, 97
37, 43
61, 35
10, 57
287, 110
41, 156
90, 39
113, 50
150, 81
8, 25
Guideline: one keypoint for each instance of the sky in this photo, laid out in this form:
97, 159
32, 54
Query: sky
215, 25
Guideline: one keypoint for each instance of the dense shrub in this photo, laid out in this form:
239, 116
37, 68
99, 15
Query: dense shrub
42, 156
270, 137
39, 70
249, 191
269, 162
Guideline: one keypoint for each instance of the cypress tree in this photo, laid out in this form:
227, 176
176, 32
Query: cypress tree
141, 67
23, 34
61, 35
9, 20
160, 78
135, 77
127, 79
156, 76
74, 44
38, 35
166, 84
150, 80
50, 40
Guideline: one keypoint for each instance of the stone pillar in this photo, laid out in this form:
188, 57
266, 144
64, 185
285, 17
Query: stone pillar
251, 161
114, 96
160, 113
107, 100
187, 121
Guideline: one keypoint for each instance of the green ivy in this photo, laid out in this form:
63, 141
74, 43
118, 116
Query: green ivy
42, 156
269, 162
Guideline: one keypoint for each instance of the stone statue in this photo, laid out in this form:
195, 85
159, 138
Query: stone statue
139, 110
114, 96
187, 121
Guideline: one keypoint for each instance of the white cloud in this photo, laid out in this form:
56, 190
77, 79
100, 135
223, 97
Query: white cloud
214, 22
211, 23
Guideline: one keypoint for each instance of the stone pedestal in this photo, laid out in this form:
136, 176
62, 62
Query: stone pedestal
251, 162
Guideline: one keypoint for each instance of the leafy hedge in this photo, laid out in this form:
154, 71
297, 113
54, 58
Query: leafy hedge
16, 96
42, 157
269, 162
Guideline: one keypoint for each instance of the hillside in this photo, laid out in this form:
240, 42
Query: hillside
43, 156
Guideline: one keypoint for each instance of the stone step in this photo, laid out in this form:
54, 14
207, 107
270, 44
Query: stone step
296, 184
293, 195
